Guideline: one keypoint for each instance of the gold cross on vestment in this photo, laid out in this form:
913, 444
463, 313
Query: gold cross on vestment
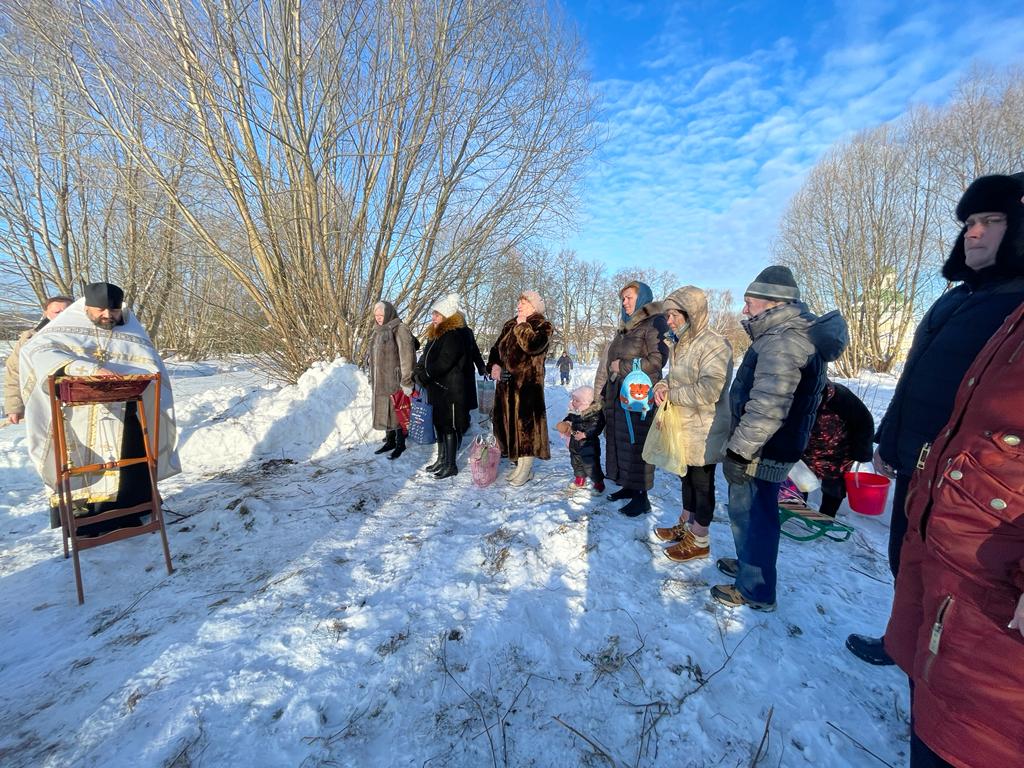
101, 355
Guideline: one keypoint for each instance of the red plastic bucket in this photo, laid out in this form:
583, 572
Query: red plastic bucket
867, 492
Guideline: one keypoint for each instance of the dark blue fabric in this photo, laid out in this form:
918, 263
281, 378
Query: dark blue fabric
754, 515
644, 296
947, 340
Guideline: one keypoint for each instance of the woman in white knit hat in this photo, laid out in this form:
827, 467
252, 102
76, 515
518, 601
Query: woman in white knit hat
516, 363
441, 370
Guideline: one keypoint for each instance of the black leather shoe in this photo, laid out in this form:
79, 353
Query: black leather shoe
869, 649
619, 495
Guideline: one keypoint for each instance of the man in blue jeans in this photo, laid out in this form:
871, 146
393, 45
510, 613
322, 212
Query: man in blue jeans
774, 402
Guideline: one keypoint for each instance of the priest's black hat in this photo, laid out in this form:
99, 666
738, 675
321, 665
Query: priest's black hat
103, 296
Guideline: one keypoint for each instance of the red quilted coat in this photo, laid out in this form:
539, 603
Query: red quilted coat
962, 568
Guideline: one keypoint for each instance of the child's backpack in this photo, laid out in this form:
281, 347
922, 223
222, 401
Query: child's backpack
484, 456
635, 395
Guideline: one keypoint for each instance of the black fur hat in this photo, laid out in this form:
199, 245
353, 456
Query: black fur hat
1000, 194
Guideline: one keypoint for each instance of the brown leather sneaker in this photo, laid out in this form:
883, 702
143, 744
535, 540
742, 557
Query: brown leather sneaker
675, 533
687, 549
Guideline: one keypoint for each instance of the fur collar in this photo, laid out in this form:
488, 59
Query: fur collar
448, 324
646, 312
591, 410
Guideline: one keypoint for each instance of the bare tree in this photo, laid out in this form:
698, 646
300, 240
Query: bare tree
331, 154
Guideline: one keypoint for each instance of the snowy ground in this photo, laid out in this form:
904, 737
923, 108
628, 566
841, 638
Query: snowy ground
331, 607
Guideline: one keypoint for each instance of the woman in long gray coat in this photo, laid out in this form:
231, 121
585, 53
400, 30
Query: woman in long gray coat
640, 336
391, 364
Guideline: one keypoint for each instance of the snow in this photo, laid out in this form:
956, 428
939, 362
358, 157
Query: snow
331, 607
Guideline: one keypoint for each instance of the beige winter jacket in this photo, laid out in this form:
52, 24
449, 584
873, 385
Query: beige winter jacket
12, 388
700, 369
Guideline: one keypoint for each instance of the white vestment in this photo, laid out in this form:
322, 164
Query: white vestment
94, 432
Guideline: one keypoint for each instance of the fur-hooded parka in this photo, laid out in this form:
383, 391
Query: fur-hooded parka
392, 360
700, 369
520, 416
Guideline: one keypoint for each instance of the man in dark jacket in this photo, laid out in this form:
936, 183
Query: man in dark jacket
774, 401
988, 262
564, 367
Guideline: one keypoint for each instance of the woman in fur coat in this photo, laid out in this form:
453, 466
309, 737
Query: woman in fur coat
441, 370
516, 362
392, 359
640, 336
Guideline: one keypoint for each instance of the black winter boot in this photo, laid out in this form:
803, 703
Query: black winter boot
399, 444
451, 441
389, 441
439, 461
637, 505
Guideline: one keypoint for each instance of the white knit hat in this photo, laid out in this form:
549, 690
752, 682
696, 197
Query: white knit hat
535, 301
447, 306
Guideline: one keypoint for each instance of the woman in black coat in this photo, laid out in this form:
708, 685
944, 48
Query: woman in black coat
640, 336
441, 370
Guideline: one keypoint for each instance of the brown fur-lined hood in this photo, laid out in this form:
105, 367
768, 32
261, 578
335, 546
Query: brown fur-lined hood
448, 324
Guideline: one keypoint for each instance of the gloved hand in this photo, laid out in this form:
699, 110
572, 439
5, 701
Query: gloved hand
419, 375
407, 391
735, 467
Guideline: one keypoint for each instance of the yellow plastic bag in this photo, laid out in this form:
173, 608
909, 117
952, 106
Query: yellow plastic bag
665, 444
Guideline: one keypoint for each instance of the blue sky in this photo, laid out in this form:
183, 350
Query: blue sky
713, 113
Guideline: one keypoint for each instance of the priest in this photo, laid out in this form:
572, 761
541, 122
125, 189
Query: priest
96, 336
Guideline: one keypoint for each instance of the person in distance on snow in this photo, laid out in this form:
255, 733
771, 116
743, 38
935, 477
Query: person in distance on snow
393, 355
583, 426
564, 367
441, 370
516, 362
773, 400
987, 261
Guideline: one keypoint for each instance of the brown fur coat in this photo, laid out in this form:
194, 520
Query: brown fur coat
520, 416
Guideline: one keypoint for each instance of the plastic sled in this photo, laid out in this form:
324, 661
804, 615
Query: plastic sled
805, 523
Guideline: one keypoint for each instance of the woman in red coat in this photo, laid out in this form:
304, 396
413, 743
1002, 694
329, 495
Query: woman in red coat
958, 617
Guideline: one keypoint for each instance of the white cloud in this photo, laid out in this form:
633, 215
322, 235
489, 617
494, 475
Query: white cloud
704, 154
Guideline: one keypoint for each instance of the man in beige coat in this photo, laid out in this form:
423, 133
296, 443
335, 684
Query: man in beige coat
14, 407
700, 367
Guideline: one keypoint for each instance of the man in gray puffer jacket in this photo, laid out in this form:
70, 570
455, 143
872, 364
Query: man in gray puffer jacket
774, 401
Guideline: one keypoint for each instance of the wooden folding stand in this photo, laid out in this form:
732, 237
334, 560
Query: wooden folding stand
71, 391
